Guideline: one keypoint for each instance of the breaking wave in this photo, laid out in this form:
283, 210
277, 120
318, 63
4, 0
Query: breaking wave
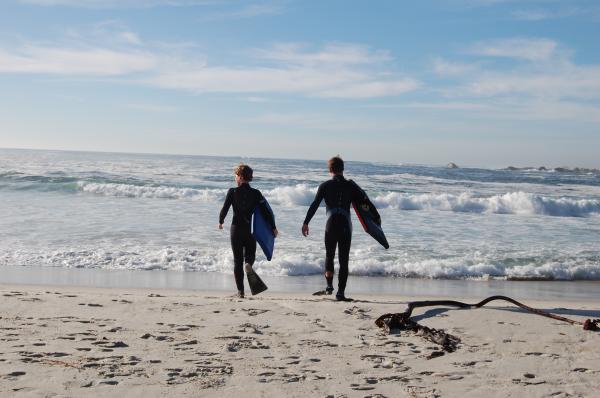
521, 203
145, 191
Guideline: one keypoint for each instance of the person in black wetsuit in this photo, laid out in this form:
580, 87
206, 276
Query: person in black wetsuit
244, 200
338, 193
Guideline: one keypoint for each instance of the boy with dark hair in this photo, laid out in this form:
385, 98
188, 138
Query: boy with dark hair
338, 193
244, 200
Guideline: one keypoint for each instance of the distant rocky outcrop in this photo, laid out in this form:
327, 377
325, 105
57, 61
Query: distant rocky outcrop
452, 165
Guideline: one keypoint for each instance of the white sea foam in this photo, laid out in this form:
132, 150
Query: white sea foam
298, 195
119, 211
510, 203
364, 262
520, 203
145, 191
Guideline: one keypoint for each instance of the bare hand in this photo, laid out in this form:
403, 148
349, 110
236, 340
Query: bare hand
305, 229
220, 226
275, 232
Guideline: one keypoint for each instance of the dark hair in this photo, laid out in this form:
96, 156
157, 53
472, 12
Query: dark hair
336, 164
244, 171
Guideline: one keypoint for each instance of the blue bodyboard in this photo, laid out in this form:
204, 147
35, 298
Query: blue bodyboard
262, 231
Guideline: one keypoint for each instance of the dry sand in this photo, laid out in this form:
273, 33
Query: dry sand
79, 341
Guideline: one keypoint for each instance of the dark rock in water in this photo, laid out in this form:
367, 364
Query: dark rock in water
542, 168
452, 165
512, 168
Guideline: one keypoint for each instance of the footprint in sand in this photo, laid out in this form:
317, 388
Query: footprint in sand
580, 370
359, 387
385, 362
470, 364
254, 311
317, 343
251, 328
319, 323
359, 313
240, 343
110, 344
14, 375
204, 374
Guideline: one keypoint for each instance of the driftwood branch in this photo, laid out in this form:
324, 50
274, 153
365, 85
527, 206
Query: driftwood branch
448, 342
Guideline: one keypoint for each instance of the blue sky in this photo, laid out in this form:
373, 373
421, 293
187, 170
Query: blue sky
476, 82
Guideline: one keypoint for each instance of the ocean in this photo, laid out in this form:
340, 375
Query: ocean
114, 211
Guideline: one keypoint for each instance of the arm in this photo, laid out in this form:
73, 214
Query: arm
314, 206
225, 209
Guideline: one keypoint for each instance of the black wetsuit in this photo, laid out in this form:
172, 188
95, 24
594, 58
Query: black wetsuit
338, 193
244, 200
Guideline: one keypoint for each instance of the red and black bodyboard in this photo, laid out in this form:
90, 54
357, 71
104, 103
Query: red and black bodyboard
369, 219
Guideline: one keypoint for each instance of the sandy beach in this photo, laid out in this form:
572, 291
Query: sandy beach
75, 341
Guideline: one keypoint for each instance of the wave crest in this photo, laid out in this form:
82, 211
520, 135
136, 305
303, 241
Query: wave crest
145, 191
520, 203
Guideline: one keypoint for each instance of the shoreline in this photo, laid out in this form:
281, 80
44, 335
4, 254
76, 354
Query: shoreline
104, 342
578, 291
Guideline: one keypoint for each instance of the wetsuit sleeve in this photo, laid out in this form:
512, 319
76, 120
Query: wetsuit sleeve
315, 205
265, 211
226, 206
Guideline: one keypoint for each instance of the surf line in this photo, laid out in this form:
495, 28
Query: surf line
449, 343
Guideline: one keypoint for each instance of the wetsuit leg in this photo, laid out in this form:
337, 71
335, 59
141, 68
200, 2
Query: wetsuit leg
237, 246
338, 232
344, 256
330, 245
249, 248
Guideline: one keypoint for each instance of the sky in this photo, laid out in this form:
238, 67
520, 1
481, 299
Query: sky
476, 82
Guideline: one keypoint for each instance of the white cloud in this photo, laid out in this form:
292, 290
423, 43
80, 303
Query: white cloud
559, 82
120, 3
152, 108
74, 61
331, 54
254, 80
450, 106
129, 37
448, 68
372, 89
249, 11
542, 14
556, 110
537, 81
334, 71
104, 33
530, 49
547, 72
322, 122
513, 108
254, 99
533, 15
